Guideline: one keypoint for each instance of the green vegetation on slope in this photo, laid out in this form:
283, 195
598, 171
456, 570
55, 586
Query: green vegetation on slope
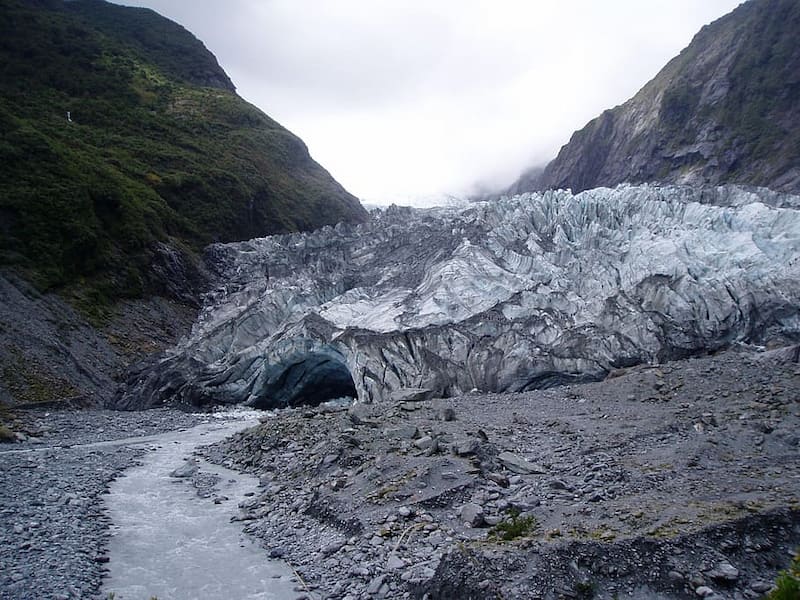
759, 108
160, 148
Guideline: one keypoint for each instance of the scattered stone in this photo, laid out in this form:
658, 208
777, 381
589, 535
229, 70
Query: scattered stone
472, 514
332, 548
376, 584
411, 395
395, 563
498, 478
761, 587
724, 572
447, 414
466, 447
188, 469
424, 442
405, 432
517, 464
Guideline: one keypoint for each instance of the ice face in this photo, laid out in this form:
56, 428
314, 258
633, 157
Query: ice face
504, 296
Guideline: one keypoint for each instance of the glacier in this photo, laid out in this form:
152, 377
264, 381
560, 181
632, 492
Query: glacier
516, 294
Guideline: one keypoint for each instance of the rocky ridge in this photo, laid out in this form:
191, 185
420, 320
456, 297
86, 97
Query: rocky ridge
662, 482
528, 292
724, 111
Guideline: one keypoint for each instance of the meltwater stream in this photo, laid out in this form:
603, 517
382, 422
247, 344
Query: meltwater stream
171, 544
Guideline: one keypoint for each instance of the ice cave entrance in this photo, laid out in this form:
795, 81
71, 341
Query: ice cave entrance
310, 379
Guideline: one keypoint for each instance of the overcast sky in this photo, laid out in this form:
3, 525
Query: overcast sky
406, 100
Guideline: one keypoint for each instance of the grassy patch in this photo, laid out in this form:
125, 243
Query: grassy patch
6, 435
31, 383
515, 526
585, 589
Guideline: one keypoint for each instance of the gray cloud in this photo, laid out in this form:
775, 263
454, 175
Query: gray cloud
405, 99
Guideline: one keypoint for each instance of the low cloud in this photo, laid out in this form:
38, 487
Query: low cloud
411, 99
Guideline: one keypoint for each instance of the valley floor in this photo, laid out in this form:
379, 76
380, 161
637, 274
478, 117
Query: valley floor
673, 481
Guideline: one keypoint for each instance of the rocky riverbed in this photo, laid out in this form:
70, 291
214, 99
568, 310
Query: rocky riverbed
678, 480
54, 528
674, 481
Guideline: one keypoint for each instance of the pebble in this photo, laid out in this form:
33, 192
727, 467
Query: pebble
376, 584
724, 571
424, 442
472, 514
703, 591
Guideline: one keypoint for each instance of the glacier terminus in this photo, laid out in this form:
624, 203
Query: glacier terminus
523, 293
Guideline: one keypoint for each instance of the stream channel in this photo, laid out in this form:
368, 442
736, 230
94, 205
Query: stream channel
169, 543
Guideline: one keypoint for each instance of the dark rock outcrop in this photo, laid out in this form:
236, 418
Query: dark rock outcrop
726, 110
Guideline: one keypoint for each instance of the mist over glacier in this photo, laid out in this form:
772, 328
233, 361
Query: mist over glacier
525, 292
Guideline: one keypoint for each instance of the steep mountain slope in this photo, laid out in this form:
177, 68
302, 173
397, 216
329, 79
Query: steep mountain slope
103, 214
726, 110
158, 157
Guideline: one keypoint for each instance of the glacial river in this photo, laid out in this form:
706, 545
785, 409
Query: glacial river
169, 543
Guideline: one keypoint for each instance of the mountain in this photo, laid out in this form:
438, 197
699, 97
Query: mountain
726, 110
125, 149
506, 296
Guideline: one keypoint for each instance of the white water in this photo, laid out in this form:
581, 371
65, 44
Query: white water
169, 543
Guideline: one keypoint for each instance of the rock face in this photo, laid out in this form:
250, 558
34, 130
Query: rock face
726, 110
523, 293
50, 353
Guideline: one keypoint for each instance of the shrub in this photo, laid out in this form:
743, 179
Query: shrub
515, 526
787, 586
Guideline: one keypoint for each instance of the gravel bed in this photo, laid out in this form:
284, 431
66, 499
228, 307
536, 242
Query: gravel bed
53, 528
663, 482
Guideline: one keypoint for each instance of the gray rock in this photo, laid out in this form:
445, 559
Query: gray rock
472, 514
332, 548
498, 478
376, 584
723, 572
447, 414
704, 591
394, 562
188, 469
517, 464
557, 484
405, 432
411, 395
761, 587
424, 442
466, 447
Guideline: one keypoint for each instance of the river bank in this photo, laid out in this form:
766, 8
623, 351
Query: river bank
672, 481
69, 524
